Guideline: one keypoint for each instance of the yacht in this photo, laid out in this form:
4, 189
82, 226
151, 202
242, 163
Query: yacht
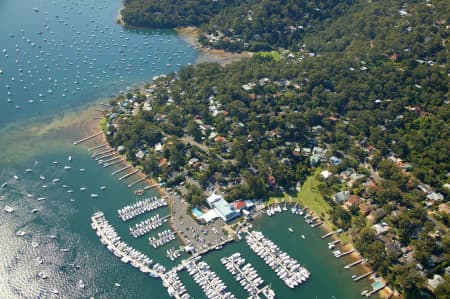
69, 158
290, 229
93, 195
34, 211
81, 284
28, 170
4, 184
8, 209
67, 167
20, 233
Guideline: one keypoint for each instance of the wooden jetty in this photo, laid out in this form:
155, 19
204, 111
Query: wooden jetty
327, 235
112, 159
128, 174
95, 155
151, 186
376, 290
87, 138
354, 264
345, 253
112, 163
122, 169
97, 147
98, 158
316, 224
137, 181
362, 276
334, 242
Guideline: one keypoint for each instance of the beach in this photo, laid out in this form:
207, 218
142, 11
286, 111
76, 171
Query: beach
190, 35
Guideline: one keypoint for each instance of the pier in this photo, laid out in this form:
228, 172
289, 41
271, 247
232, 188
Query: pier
128, 174
209, 282
368, 294
327, 235
87, 138
109, 238
121, 169
100, 158
316, 224
140, 207
345, 253
137, 181
112, 159
97, 147
362, 276
113, 163
246, 275
95, 155
354, 264
286, 268
151, 186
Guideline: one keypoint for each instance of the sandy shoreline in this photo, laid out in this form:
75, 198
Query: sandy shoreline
190, 35
92, 126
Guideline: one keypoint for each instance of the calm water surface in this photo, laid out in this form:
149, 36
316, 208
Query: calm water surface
56, 57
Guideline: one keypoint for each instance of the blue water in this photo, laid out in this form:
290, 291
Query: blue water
57, 63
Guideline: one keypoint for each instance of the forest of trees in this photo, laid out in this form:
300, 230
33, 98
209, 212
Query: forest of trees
373, 75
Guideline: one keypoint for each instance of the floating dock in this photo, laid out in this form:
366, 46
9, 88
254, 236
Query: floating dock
87, 138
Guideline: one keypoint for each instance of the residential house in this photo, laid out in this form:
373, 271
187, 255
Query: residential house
342, 196
354, 200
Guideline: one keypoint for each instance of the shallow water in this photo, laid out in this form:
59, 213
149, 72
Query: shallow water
56, 62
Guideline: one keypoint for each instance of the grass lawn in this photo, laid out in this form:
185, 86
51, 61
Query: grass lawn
274, 54
310, 197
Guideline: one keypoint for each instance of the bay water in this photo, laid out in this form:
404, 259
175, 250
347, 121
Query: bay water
58, 59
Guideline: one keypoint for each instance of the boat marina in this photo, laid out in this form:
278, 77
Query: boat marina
286, 268
211, 284
140, 207
162, 238
147, 225
247, 276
